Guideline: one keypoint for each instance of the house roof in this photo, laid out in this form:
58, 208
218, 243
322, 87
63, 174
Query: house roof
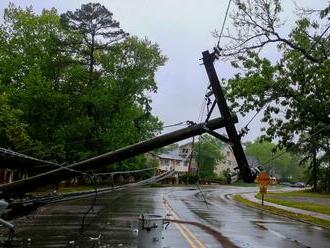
171, 155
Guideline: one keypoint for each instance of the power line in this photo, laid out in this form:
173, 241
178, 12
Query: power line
255, 115
300, 142
319, 39
100, 191
188, 122
176, 124
11, 153
246, 129
125, 172
223, 23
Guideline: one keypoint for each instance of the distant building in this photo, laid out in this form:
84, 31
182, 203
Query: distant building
178, 159
229, 162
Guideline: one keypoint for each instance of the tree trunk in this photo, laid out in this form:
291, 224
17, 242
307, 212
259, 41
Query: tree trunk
314, 170
91, 60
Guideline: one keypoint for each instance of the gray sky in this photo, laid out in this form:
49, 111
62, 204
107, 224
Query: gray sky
182, 29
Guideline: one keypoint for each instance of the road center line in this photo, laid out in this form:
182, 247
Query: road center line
192, 239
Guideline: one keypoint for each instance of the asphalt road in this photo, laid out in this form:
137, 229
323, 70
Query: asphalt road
244, 226
113, 222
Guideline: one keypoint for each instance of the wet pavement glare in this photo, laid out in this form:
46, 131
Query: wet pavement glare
113, 221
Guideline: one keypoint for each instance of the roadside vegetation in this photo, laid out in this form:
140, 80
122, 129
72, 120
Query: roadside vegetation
75, 85
290, 92
285, 167
291, 200
281, 212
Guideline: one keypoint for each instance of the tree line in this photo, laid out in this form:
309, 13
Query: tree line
74, 85
292, 89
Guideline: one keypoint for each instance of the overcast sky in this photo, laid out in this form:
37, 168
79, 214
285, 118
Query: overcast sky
182, 28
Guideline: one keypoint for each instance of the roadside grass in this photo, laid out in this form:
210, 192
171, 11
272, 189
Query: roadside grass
281, 212
315, 207
302, 193
74, 189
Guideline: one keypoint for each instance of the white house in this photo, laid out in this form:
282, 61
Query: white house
178, 159
229, 161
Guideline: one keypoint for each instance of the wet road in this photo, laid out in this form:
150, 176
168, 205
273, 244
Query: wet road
114, 216
244, 226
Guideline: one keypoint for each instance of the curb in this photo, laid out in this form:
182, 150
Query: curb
282, 215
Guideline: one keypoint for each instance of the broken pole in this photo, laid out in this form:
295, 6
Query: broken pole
245, 171
95, 163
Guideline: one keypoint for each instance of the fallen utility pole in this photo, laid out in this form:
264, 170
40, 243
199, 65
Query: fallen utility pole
247, 174
62, 173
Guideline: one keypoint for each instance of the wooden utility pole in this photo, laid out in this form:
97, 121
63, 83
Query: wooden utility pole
62, 173
233, 137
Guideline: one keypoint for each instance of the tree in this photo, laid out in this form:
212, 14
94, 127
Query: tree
30, 41
12, 131
46, 93
276, 162
293, 91
96, 30
207, 153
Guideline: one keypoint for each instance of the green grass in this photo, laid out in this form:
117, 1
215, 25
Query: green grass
74, 189
303, 193
314, 207
281, 212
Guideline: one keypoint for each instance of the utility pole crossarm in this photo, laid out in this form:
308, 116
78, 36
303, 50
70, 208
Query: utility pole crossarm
208, 61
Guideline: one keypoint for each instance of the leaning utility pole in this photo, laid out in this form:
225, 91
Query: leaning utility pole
233, 138
62, 173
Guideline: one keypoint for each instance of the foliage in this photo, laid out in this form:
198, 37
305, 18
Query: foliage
281, 212
294, 91
286, 166
207, 153
12, 131
324, 182
192, 179
53, 106
95, 30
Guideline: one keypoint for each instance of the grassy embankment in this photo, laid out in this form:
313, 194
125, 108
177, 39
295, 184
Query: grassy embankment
290, 201
281, 212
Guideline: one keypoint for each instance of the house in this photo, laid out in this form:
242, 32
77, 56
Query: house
11, 175
229, 161
179, 159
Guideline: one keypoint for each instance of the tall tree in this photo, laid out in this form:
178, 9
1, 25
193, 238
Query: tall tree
97, 31
293, 91
207, 153
46, 97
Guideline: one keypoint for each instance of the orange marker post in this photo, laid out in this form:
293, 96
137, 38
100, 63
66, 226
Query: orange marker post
263, 181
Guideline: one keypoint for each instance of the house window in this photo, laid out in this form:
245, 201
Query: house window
166, 162
177, 162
